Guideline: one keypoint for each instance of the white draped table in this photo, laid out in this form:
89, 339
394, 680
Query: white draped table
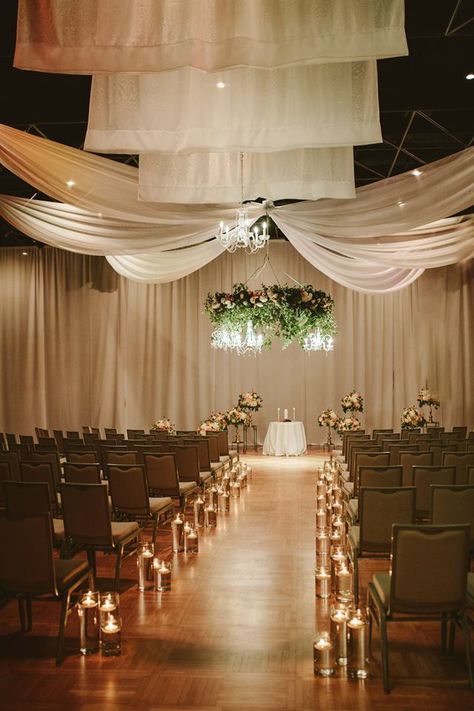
285, 439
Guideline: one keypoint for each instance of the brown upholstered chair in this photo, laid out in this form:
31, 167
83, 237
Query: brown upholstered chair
405, 434
202, 443
41, 472
14, 463
366, 446
225, 453
26, 498
351, 436
459, 432
379, 509
130, 496
41, 432
453, 504
82, 457
125, 457
438, 449
72, 434
379, 434
408, 460
53, 459
460, 460
187, 463
87, 525
423, 478
217, 466
419, 587
365, 459
135, 434
378, 477
82, 473
396, 448
163, 479
5, 476
27, 568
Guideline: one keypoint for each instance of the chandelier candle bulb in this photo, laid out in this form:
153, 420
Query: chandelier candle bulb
87, 610
145, 553
323, 655
357, 663
210, 517
199, 512
162, 575
339, 619
323, 583
110, 629
177, 529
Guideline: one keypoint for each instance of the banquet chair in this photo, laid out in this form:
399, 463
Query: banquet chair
368, 446
5, 476
110, 431
374, 476
379, 509
419, 587
28, 498
396, 448
72, 434
365, 459
460, 432
28, 440
88, 525
14, 462
74, 445
88, 456
460, 460
11, 440
135, 434
27, 569
41, 432
346, 436
41, 472
163, 479
96, 431
91, 438
225, 453
53, 459
379, 434
353, 437
405, 434
410, 459
121, 456
438, 449
187, 463
424, 477
217, 466
202, 444
82, 473
150, 448
130, 496
59, 437
453, 504
47, 442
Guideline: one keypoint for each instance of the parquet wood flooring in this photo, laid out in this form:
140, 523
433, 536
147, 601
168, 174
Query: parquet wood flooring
234, 634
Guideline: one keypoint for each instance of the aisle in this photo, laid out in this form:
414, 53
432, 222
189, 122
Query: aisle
234, 634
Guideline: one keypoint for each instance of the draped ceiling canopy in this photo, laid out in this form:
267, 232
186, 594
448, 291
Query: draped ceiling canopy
380, 241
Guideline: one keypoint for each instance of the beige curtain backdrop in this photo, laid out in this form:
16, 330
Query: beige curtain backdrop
82, 345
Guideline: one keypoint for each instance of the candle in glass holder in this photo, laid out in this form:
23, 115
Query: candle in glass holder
322, 543
212, 496
323, 583
339, 617
210, 517
177, 529
145, 553
87, 610
357, 662
199, 512
235, 490
110, 630
224, 501
225, 483
321, 519
162, 575
242, 480
323, 655
321, 488
191, 543
109, 601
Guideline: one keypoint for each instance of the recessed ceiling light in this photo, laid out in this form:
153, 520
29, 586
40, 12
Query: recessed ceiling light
400, 203
25, 254
220, 85
470, 76
70, 183
416, 172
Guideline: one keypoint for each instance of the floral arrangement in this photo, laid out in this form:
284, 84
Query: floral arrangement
250, 401
216, 422
328, 418
353, 402
236, 416
347, 424
282, 311
412, 418
164, 425
425, 397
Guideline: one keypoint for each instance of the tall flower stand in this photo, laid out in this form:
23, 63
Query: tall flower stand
328, 446
237, 441
252, 429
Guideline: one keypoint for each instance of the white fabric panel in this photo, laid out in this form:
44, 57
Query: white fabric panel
308, 106
306, 174
285, 439
90, 37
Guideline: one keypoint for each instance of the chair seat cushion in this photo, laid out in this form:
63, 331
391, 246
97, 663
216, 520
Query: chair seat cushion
185, 486
224, 458
215, 466
58, 529
349, 487
205, 476
470, 589
353, 509
123, 529
67, 571
233, 454
354, 537
381, 583
160, 503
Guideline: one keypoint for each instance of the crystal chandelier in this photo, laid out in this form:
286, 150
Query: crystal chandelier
242, 236
249, 343
316, 342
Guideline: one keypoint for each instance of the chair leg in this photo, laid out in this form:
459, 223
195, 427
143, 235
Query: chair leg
467, 647
118, 565
62, 625
155, 528
22, 613
384, 640
444, 634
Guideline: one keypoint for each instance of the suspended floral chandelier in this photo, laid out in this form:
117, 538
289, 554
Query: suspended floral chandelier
242, 235
248, 320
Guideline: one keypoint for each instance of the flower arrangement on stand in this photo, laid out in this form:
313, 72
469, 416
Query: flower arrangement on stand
347, 424
250, 402
352, 402
412, 418
425, 397
236, 417
330, 419
163, 425
216, 422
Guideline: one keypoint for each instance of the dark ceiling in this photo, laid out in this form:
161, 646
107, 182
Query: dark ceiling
426, 103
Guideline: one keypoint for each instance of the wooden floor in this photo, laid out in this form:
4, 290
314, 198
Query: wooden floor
235, 633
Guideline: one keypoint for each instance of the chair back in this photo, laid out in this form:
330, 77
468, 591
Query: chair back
379, 434
223, 439
423, 478
367, 446
380, 477
82, 473
26, 498
368, 459
14, 462
11, 440
202, 444
213, 448
162, 474
135, 434
470, 475
40, 472
379, 509
405, 434
396, 448
91, 437
82, 457
73, 445
26, 554
438, 449
460, 460
59, 438
187, 462
349, 436
72, 434
27, 439
152, 448
5, 476
110, 431
453, 504
53, 459
47, 442
121, 457
408, 460
159, 434
96, 431
86, 514
129, 489
459, 432
41, 432
429, 568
